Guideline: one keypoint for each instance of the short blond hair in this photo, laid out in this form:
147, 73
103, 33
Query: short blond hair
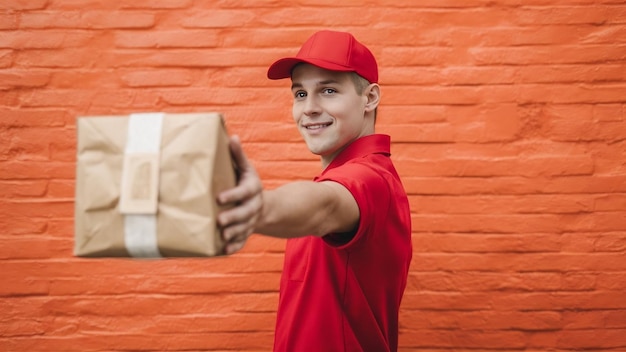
360, 83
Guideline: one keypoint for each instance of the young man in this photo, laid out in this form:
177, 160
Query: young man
348, 230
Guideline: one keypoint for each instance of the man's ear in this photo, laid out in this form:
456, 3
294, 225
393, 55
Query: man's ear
372, 93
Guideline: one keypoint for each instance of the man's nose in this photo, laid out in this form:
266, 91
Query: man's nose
312, 106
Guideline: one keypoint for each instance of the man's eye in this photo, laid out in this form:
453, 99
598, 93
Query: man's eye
300, 94
329, 91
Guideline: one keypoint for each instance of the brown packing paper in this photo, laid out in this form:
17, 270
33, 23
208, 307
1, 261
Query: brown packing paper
194, 165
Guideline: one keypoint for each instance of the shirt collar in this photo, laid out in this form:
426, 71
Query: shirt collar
370, 144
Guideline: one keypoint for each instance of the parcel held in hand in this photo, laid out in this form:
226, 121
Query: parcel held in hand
146, 185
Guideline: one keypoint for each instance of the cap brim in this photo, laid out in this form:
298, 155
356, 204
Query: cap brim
283, 67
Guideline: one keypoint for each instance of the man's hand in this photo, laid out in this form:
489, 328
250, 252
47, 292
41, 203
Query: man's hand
238, 223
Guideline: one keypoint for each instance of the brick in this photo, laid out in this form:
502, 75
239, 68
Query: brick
515, 262
159, 304
96, 267
604, 35
559, 300
592, 339
11, 79
218, 18
24, 4
91, 19
608, 112
474, 167
6, 58
432, 18
578, 320
52, 118
20, 327
292, 152
408, 114
8, 21
610, 202
293, 171
531, 35
288, 39
61, 189
210, 283
518, 223
593, 242
24, 170
599, 93
158, 78
262, 115
81, 5
59, 228
489, 204
270, 4
245, 77
474, 75
485, 243
32, 246
572, 73
265, 132
569, 15
513, 185
319, 17
167, 39
424, 133
56, 98
485, 281
200, 96
581, 130
30, 144
608, 156
564, 54
463, 339
174, 324
57, 59
158, 4
22, 225
83, 80
422, 56
22, 189
193, 58
23, 287
481, 320
499, 124
39, 209
52, 39
445, 301
142, 342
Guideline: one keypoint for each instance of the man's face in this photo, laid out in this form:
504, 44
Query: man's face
327, 109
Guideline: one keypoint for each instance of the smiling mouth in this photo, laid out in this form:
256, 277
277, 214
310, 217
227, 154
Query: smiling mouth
317, 126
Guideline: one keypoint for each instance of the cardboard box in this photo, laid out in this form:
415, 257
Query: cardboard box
146, 185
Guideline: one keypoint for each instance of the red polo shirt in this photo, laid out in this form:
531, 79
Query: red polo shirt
344, 295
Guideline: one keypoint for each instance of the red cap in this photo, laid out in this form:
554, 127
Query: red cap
335, 51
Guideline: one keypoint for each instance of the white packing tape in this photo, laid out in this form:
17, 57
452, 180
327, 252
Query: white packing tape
140, 227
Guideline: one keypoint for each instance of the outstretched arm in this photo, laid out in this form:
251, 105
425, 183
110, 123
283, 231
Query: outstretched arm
293, 210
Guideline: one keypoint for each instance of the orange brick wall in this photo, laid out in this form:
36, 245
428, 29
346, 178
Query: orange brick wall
508, 126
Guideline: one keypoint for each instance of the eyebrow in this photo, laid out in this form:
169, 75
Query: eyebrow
321, 83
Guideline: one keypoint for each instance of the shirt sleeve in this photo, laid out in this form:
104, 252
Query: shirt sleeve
371, 192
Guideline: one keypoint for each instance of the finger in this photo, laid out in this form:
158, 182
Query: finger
234, 247
245, 212
246, 189
237, 233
